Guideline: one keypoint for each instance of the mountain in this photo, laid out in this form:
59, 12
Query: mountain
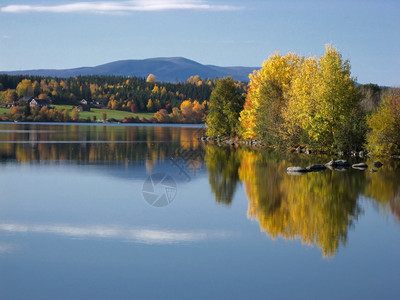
168, 69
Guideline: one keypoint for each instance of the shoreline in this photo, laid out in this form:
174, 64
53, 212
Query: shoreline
110, 124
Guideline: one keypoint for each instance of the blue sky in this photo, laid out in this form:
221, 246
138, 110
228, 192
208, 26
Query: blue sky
66, 33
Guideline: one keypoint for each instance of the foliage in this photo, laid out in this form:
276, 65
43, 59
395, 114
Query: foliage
115, 92
384, 135
225, 106
294, 100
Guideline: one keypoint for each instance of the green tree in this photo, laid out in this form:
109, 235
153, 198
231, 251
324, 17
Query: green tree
224, 108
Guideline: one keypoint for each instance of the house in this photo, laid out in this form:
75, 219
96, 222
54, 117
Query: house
84, 105
40, 103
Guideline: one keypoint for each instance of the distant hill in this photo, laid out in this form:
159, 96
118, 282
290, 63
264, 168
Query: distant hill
166, 69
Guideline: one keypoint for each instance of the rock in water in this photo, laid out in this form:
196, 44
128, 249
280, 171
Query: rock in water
313, 168
296, 170
338, 163
377, 164
360, 166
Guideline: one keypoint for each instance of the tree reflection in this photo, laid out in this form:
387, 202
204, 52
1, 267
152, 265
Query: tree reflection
98, 144
384, 186
222, 165
318, 208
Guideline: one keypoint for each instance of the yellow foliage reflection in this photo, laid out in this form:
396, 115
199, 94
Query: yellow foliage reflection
384, 186
317, 208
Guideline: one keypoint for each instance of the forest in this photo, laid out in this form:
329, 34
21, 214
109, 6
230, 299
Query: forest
122, 93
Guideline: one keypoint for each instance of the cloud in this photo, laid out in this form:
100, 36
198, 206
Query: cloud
139, 235
120, 7
6, 37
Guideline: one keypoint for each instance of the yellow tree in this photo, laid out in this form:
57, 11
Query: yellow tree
151, 78
267, 96
187, 110
334, 121
25, 88
150, 105
384, 135
300, 108
75, 114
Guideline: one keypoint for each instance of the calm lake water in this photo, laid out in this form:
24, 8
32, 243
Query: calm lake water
144, 212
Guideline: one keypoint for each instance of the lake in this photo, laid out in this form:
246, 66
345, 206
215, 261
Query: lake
149, 212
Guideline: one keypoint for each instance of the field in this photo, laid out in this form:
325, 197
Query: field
111, 114
4, 110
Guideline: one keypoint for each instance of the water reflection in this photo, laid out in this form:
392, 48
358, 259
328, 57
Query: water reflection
138, 235
384, 187
98, 144
318, 208
223, 166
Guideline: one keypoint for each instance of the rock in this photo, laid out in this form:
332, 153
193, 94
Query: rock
330, 163
373, 170
361, 154
298, 149
360, 166
296, 170
377, 164
314, 168
342, 163
338, 163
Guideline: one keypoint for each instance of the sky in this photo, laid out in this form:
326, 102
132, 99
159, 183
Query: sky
60, 34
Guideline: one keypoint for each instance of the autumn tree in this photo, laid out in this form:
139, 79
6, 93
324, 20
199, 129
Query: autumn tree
294, 100
224, 109
25, 88
9, 96
337, 105
384, 135
75, 114
151, 78
150, 105
267, 96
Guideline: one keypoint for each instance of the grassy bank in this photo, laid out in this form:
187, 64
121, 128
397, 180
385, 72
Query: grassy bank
111, 114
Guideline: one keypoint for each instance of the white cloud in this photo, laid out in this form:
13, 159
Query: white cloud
120, 7
139, 235
6, 37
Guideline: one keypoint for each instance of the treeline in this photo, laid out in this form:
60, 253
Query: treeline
115, 92
311, 102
